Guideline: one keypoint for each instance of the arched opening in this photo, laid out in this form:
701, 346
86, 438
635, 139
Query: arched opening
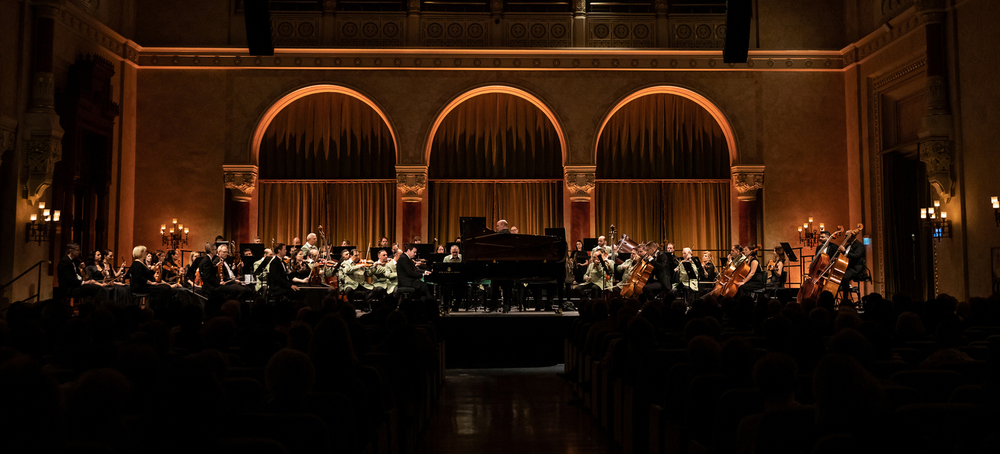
495, 152
663, 160
326, 157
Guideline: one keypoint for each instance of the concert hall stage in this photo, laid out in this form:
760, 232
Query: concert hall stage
513, 339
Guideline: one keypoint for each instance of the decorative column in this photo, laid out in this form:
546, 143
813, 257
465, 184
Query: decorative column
579, 23
662, 23
43, 147
747, 180
411, 183
580, 183
936, 147
413, 23
240, 180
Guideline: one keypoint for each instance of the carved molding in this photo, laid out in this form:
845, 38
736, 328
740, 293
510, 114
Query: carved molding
534, 31
241, 179
369, 30
581, 181
698, 32
41, 155
938, 156
747, 180
617, 31
411, 182
454, 31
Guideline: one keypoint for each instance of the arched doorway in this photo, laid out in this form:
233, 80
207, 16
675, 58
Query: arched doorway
663, 158
326, 156
496, 152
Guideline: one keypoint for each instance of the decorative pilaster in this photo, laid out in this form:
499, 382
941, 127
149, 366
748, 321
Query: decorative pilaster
581, 181
747, 180
411, 182
241, 179
937, 155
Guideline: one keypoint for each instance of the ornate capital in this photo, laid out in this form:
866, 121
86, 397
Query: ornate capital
579, 7
747, 180
411, 181
241, 179
413, 6
938, 154
41, 156
581, 181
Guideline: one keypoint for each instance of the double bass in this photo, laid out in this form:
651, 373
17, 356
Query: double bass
817, 270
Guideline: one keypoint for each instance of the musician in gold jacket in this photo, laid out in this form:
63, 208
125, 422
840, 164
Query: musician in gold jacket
384, 273
687, 271
596, 279
352, 272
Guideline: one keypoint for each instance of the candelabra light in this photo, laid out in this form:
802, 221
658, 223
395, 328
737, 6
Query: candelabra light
996, 208
936, 221
808, 236
175, 237
41, 229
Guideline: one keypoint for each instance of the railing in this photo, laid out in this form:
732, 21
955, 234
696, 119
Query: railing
38, 283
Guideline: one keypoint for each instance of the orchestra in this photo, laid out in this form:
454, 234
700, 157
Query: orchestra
282, 272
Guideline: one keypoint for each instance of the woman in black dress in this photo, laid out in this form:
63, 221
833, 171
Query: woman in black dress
580, 260
755, 279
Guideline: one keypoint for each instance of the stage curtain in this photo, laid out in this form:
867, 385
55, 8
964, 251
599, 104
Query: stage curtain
327, 136
688, 214
359, 212
530, 205
662, 136
495, 136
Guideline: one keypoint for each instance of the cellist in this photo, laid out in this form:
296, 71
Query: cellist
855, 253
755, 278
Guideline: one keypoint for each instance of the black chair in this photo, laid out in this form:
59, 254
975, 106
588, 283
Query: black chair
933, 385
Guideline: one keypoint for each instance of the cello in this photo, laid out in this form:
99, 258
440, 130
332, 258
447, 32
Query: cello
838, 265
813, 285
737, 271
639, 273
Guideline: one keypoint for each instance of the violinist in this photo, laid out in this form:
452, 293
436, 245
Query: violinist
384, 273
755, 278
191, 275
579, 258
776, 269
384, 242
170, 269
109, 266
142, 279
299, 270
352, 273
708, 272
71, 282
597, 279
219, 280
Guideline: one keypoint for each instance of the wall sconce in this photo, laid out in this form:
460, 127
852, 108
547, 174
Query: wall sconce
176, 237
996, 208
42, 230
808, 236
936, 221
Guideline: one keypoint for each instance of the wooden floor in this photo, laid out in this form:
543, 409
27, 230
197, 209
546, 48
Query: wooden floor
520, 411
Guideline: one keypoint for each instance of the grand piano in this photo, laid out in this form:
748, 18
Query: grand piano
502, 256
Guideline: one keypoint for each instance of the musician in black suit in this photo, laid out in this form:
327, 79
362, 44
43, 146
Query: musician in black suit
407, 274
856, 271
278, 283
831, 249
220, 287
659, 277
71, 283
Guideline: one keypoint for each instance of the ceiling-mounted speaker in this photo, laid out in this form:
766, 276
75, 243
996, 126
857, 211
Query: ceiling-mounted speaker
738, 13
260, 38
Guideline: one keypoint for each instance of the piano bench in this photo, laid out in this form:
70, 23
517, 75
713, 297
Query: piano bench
401, 291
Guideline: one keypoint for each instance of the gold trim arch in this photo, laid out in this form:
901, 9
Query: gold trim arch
698, 98
504, 89
294, 95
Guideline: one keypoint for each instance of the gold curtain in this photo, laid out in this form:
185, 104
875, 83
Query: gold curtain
327, 136
530, 205
360, 212
495, 136
662, 136
688, 214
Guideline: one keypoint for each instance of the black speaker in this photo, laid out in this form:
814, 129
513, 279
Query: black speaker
260, 39
737, 45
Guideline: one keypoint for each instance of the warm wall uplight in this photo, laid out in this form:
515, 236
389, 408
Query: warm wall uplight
808, 236
175, 237
936, 220
42, 227
995, 201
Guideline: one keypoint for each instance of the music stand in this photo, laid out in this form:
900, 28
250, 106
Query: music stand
789, 252
424, 249
589, 244
256, 253
472, 226
556, 231
435, 257
447, 246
